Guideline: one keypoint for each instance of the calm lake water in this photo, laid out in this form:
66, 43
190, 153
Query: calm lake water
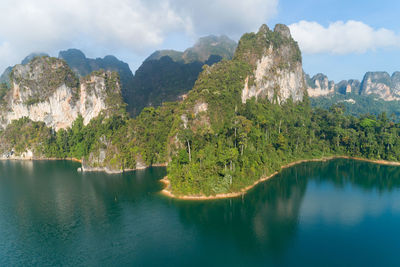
341, 212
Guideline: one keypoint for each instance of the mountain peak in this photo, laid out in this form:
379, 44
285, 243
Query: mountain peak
201, 51
276, 60
31, 56
263, 29
283, 30
72, 52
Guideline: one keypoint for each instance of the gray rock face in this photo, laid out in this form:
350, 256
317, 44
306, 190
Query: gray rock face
380, 84
348, 87
283, 30
83, 66
5, 77
47, 90
278, 73
319, 85
396, 83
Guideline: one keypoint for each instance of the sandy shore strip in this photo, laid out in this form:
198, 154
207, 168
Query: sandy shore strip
167, 184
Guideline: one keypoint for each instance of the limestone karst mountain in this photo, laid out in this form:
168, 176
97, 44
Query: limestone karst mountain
47, 90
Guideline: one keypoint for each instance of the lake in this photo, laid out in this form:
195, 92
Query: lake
340, 212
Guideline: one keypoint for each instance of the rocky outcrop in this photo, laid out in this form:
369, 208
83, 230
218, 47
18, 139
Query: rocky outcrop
5, 77
319, 85
47, 90
380, 84
348, 87
83, 66
278, 73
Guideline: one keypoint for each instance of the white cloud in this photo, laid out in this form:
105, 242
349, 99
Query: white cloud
232, 17
133, 26
342, 37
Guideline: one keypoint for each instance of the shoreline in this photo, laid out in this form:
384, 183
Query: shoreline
167, 192
82, 168
108, 171
40, 159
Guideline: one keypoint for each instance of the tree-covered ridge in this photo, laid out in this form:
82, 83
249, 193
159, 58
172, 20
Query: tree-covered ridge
263, 136
358, 105
229, 145
167, 75
163, 80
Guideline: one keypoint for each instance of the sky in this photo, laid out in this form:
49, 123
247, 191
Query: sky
342, 39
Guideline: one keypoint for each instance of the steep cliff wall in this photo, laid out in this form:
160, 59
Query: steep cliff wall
278, 73
380, 84
47, 90
319, 85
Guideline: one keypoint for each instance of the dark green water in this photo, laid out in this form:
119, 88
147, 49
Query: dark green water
337, 213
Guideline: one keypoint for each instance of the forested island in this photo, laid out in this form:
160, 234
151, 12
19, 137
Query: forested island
244, 119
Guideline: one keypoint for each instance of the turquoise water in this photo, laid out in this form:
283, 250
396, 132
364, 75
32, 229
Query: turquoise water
336, 213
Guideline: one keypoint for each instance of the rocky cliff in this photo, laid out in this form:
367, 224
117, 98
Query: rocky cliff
83, 66
348, 87
267, 65
47, 90
319, 85
381, 84
276, 58
378, 84
5, 76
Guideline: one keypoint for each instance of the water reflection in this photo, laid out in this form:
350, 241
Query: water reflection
267, 218
50, 204
52, 215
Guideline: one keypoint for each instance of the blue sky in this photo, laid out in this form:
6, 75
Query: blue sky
377, 14
343, 39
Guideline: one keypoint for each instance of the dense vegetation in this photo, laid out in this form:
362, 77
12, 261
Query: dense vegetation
163, 80
121, 138
363, 104
3, 91
262, 136
214, 143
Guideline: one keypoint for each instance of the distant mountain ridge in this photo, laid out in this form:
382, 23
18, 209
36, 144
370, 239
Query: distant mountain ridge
83, 66
167, 75
378, 92
164, 76
222, 46
379, 84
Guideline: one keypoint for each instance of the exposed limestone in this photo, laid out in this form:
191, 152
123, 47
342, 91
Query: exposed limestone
57, 102
278, 74
200, 107
319, 85
380, 84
